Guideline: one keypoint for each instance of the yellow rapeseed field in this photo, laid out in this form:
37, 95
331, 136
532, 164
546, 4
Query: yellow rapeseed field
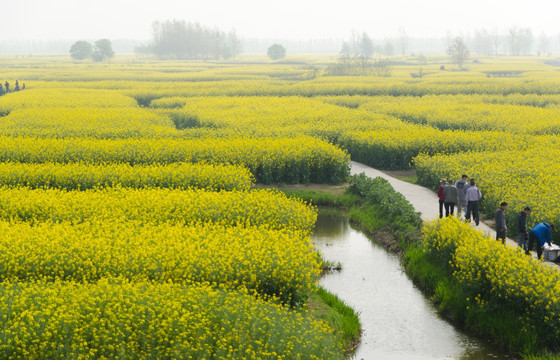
126, 196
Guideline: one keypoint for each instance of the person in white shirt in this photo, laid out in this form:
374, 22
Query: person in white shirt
472, 197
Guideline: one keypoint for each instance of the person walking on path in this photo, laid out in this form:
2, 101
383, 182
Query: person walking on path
450, 194
521, 223
461, 188
441, 196
473, 196
539, 234
501, 227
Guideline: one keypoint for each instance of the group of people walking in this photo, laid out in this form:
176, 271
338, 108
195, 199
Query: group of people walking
466, 196
8, 89
539, 235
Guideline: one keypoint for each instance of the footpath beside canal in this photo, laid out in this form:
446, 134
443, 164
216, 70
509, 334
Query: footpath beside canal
424, 200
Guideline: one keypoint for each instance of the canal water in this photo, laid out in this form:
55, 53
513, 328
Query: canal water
398, 322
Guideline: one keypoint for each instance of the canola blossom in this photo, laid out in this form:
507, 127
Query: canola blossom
76, 113
79, 176
272, 262
496, 277
151, 146
258, 207
114, 318
290, 160
519, 114
274, 116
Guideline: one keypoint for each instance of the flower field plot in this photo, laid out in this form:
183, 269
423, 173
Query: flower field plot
127, 192
262, 208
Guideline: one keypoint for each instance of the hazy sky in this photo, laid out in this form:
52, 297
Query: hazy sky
116, 19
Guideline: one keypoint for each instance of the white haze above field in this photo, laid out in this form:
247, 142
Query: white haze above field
292, 19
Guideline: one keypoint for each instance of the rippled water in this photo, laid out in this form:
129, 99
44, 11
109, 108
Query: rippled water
398, 322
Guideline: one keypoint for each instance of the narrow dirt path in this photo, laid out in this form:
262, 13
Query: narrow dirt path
424, 200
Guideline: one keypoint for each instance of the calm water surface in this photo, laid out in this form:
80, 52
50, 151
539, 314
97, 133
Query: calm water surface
398, 322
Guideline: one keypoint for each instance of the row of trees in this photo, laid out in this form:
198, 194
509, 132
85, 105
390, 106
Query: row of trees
101, 50
517, 41
520, 42
363, 45
355, 59
178, 40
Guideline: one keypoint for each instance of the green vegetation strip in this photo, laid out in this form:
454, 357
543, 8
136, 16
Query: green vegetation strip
494, 291
116, 319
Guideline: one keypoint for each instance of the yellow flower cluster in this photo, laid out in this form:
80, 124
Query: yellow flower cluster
474, 112
80, 126
262, 208
291, 160
399, 148
275, 116
495, 277
115, 318
70, 114
281, 263
82, 176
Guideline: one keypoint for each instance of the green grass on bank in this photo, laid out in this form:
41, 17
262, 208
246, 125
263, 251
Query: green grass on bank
322, 304
379, 211
501, 325
329, 308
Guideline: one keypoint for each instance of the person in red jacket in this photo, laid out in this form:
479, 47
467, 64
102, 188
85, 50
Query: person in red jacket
441, 196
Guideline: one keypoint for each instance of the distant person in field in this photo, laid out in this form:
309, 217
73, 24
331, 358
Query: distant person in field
521, 224
23, 87
7, 86
473, 196
441, 196
461, 186
501, 227
539, 234
450, 193
17, 88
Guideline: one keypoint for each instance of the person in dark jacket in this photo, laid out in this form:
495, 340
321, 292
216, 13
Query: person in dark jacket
501, 226
539, 234
522, 233
450, 194
441, 196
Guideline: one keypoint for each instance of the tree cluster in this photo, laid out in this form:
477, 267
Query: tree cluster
276, 52
355, 58
358, 65
101, 50
516, 42
362, 45
520, 41
458, 51
178, 40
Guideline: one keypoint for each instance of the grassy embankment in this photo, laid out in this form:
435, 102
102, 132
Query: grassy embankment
373, 205
377, 209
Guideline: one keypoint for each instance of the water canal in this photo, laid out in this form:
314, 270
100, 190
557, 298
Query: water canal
398, 322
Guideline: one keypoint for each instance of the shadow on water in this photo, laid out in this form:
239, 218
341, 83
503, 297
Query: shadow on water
398, 322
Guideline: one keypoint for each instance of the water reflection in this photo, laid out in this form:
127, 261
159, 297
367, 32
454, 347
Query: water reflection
397, 320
